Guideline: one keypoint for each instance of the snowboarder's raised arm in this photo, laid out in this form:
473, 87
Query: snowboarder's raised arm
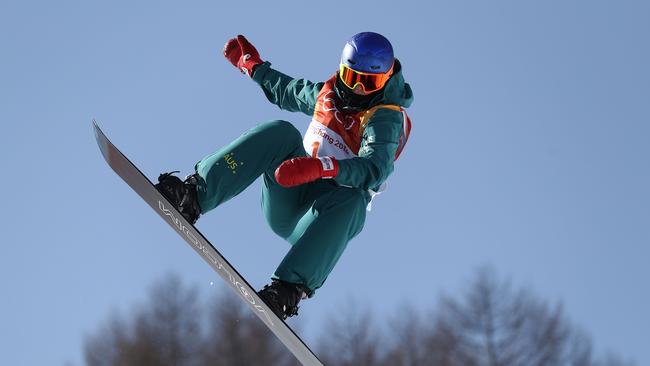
294, 95
284, 91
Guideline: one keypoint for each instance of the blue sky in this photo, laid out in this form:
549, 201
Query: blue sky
529, 152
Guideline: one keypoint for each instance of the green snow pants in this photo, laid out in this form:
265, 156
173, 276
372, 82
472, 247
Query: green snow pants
318, 219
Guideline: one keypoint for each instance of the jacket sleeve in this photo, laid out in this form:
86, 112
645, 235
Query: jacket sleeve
286, 92
377, 153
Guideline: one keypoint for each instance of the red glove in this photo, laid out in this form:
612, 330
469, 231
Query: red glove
303, 170
242, 54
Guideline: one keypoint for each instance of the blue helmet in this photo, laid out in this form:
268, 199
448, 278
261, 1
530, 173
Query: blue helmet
368, 52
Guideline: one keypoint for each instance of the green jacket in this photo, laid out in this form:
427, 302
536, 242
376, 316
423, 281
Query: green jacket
382, 133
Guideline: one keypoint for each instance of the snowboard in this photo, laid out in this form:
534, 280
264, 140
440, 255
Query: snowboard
143, 187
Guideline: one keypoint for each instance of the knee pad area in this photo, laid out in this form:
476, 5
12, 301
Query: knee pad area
284, 131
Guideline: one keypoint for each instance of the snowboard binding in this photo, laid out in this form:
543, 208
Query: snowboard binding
181, 194
283, 297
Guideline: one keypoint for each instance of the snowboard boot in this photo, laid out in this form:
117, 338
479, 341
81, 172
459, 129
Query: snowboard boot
283, 297
181, 194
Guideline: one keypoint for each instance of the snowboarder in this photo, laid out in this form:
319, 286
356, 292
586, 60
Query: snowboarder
316, 188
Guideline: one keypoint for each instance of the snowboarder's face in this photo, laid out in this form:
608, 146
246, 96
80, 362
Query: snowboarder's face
359, 90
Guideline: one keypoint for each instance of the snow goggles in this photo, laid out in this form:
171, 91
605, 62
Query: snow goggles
369, 82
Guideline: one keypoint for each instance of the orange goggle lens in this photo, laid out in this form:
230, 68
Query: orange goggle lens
369, 82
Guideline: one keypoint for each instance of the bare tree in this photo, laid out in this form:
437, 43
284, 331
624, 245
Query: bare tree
164, 332
492, 324
407, 344
104, 348
167, 331
236, 337
351, 340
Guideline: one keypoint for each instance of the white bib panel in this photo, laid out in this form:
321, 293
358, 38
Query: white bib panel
322, 141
